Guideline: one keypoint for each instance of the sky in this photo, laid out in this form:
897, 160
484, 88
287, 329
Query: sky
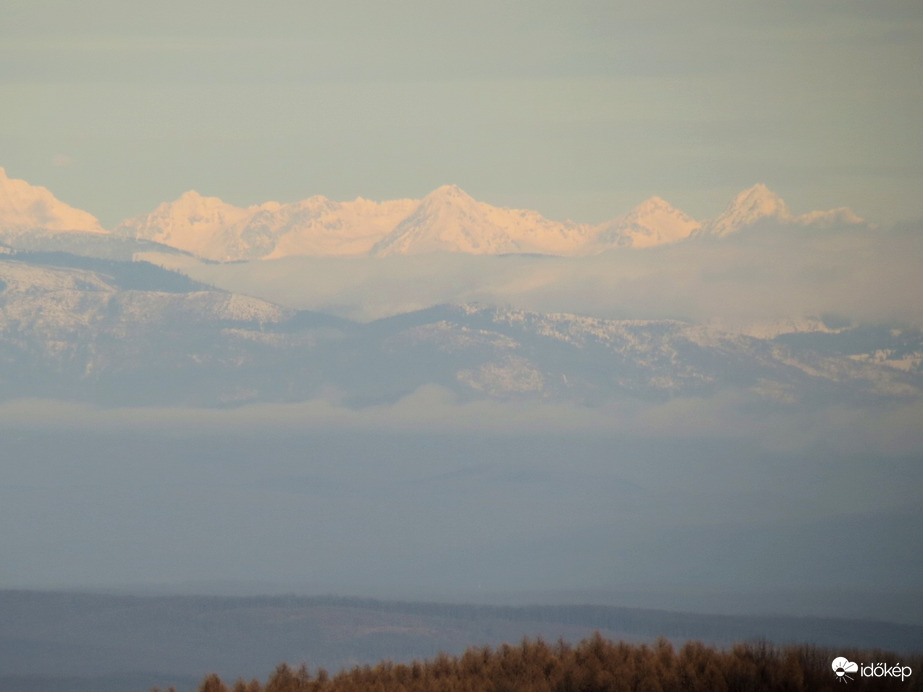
579, 110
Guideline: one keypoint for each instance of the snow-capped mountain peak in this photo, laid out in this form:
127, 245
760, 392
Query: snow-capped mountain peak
754, 204
449, 196
759, 203
449, 192
30, 206
653, 222
448, 219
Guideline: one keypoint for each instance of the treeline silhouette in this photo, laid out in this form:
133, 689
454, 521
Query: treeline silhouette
596, 665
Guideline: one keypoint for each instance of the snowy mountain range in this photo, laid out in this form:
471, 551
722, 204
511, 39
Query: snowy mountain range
115, 332
446, 220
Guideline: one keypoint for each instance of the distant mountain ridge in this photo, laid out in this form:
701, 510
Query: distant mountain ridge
130, 332
446, 220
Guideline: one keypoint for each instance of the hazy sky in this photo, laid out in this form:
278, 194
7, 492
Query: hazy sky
578, 109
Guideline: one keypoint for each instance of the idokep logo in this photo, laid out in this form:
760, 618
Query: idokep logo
843, 666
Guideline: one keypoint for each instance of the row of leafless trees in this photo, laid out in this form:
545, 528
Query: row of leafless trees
596, 665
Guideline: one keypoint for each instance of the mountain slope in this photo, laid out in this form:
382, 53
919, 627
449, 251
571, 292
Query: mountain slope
77, 333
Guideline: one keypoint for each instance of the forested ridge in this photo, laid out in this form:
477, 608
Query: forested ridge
597, 665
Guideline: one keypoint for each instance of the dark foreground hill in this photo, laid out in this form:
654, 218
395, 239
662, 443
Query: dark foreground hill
73, 642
